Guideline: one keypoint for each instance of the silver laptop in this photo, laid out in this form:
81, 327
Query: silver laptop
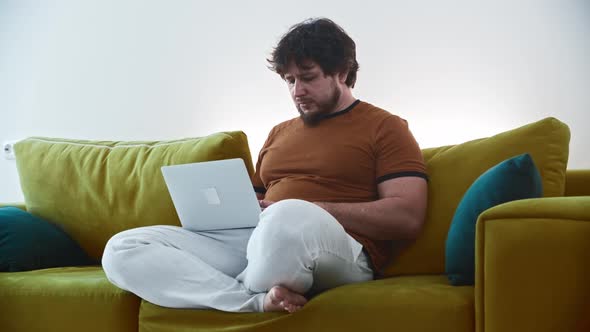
212, 195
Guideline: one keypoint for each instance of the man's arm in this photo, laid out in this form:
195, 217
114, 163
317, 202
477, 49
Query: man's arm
398, 214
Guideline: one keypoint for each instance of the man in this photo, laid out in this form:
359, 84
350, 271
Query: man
338, 185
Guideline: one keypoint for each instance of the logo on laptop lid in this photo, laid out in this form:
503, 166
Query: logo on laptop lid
211, 196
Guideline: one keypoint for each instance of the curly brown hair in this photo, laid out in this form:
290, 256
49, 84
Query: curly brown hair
320, 40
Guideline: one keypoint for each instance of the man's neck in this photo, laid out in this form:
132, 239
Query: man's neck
346, 99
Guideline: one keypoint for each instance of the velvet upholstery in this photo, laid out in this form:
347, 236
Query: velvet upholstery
528, 253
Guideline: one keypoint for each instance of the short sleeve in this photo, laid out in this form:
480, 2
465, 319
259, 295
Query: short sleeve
397, 152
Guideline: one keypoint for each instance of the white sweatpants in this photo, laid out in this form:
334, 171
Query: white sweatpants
296, 244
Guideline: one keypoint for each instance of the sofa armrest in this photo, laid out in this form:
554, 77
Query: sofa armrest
532, 265
21, 206
577, 182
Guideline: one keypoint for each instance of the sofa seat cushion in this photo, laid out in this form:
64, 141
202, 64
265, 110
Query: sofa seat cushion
409, 303
65, 299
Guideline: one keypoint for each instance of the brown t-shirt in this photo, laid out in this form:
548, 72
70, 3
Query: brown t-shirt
340, 160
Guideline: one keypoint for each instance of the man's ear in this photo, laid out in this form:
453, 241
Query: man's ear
342, 76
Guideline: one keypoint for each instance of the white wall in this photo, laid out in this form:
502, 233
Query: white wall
148, 70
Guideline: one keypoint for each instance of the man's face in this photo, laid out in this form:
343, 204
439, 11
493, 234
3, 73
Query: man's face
314, 93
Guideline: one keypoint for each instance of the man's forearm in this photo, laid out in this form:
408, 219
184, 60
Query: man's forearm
388, 218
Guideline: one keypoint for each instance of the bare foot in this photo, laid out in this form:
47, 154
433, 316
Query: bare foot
282, 299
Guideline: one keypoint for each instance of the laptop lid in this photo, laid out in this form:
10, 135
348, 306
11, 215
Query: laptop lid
212, 195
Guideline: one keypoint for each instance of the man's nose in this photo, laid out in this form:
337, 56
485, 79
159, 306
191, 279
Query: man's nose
298, 89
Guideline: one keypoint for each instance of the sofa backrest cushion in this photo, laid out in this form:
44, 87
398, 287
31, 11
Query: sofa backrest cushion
95, 189
452, 169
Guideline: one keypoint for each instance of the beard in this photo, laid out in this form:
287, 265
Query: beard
323, 108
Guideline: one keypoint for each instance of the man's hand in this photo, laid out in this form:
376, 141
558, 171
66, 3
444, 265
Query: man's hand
322, 205
264, 203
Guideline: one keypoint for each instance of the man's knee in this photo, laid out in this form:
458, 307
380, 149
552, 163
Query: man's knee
281, 248
111, 261
293, 214
291, 226
117, 254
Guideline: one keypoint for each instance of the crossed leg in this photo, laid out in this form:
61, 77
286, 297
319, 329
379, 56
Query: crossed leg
299, 248
177, 268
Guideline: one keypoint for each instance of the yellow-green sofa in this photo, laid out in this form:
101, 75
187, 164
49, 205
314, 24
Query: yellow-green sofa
532, 256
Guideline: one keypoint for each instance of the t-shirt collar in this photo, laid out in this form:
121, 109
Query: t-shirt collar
344, 111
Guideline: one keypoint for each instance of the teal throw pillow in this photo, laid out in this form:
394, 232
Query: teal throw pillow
513, 179
30, 243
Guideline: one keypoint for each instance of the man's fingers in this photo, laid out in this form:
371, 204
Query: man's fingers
264, 203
